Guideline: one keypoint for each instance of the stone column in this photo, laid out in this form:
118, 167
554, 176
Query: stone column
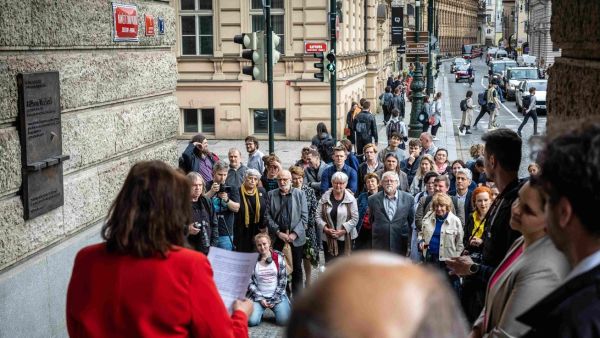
573, 90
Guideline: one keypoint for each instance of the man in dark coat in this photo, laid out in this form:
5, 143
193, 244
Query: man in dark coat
365, 128
570, 164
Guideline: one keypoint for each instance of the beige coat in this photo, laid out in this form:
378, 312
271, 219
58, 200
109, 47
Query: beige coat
345, 221
451, 235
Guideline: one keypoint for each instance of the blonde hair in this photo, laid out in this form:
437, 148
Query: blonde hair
262, 235
441, 199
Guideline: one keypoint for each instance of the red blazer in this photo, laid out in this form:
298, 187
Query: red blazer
113, 295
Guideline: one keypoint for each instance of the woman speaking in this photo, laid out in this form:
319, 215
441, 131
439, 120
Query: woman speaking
141, 282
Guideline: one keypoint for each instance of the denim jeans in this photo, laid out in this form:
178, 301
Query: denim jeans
282, 312
224, 242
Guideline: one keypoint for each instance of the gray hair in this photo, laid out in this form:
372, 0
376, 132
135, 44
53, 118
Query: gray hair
444, 178
220, 166
193, 176
390, 173
236, 150
252, 173
465, 172
339, 176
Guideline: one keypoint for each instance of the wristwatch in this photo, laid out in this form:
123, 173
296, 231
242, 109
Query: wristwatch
474, 268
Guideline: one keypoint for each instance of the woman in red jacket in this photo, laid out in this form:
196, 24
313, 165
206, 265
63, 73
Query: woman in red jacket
141, 282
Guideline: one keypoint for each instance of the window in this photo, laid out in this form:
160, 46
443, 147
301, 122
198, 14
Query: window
198, 121
277, 19
196, 27
261, 121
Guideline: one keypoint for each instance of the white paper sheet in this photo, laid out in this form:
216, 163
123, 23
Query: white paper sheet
232, 273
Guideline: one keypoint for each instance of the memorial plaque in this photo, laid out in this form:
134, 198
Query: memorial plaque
41, 142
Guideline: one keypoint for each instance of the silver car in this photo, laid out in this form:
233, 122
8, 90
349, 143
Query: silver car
514, 76
540, 93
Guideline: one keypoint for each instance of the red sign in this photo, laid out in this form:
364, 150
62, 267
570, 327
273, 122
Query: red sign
149, 25
314, 47
125, 22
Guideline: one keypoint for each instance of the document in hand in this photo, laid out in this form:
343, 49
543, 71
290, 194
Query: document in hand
232, 273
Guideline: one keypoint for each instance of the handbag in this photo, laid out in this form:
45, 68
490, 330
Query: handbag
287, 255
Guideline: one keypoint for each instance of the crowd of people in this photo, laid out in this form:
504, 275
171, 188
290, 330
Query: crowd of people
500, 242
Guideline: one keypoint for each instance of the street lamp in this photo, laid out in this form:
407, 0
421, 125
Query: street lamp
418, 84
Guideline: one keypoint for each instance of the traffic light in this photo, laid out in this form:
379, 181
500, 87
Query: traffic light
275, 40
331, 62
321, 66
255, 52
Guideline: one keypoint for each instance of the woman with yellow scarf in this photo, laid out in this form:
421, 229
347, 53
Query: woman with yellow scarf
250, 219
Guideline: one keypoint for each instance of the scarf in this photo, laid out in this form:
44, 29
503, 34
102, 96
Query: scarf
246, 194
332, 243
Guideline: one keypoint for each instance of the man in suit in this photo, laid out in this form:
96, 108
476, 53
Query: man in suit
570, 164
391, 213
288, 217
462, 192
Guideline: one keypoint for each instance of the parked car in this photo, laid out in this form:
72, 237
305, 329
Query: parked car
497, 69
513, 76
472, 51
500, 53
462, 73
526, 60
457, 62
540, 94
489, 54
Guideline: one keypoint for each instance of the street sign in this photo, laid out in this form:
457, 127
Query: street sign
397, 25
315, 47
413, 58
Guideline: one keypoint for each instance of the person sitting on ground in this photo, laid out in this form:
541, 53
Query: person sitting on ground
363, 227
420, 302
410, 165
351, 159
268, 283
336, 217
142, 271
390, 163
425, 165
392, 148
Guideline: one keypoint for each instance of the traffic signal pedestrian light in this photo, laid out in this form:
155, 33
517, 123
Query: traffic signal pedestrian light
275, 40
255, 52
321, 66
330, 62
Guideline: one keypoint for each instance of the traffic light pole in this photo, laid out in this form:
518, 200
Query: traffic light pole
270, 76
430, 19
333, 75
418, 84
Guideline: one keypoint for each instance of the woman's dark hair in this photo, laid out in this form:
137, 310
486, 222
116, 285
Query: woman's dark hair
321, 128
150, 212
388, 89
462, 164
469, 93
346, 143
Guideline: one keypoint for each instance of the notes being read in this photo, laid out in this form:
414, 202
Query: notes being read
232, 273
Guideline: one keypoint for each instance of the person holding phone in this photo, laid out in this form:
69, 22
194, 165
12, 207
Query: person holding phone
441, 235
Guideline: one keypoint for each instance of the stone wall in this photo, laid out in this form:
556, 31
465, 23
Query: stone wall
573, 92
118, 107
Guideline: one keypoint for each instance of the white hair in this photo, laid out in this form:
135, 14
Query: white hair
390, 173
466, 172
339, 176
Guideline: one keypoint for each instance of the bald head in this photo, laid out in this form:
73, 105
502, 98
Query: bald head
377, 294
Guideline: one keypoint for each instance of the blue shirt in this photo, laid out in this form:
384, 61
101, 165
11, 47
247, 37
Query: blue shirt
328, 173
434, 242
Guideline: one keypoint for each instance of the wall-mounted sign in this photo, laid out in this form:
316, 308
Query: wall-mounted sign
41, 142
314, 47
397, 28
161, 26
149, 24
125, 22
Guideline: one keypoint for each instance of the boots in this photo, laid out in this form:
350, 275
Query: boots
468, 131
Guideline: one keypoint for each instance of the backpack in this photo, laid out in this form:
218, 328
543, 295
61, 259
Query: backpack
362, 127
325, 148
482, 98
463, 105
395, 127
423, 115
526, 101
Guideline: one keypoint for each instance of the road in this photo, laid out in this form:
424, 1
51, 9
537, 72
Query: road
508, 116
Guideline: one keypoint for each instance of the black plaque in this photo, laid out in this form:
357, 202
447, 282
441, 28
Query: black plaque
41, 142
397, 29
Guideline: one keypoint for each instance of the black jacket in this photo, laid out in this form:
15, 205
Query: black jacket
243, 236
371, 127
572, 310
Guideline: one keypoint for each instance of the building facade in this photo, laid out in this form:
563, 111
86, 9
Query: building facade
215, 98
117, 107
540, 41
457, 24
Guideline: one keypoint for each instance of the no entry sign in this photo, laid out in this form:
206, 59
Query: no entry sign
314, 47
125, 22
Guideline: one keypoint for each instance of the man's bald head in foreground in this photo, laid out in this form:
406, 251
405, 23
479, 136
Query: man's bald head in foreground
379, 295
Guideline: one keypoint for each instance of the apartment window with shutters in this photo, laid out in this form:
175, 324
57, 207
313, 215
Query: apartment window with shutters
277, 19
196, 22
198, 121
